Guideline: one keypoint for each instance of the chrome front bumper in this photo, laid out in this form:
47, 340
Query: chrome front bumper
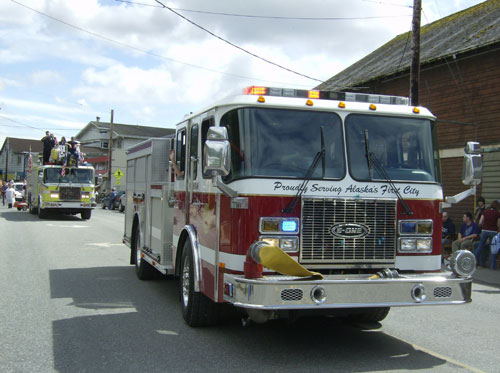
346, 291
66, 205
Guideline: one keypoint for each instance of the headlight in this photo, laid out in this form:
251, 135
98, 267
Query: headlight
407, 244
279, 225
54, 195
424, 244
415, 244
423, 227
287, 244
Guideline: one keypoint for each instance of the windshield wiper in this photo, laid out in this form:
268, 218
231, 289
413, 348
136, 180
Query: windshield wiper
367, 149
375, 162
302, 187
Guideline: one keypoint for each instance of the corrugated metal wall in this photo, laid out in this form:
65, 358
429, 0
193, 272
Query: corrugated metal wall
491, 176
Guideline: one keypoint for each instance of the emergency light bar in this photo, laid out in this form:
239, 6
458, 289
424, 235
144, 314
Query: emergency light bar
326, 95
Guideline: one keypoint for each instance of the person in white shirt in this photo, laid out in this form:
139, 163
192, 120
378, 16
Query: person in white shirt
10, 195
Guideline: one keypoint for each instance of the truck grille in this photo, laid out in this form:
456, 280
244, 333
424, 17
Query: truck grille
319, 245
69, 194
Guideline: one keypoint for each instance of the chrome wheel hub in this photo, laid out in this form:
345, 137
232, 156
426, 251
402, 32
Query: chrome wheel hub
185, 282
138, 249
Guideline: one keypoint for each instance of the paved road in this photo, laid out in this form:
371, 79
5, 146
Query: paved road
71, 303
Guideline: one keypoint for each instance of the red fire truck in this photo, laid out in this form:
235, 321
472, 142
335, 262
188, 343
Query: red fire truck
287, 202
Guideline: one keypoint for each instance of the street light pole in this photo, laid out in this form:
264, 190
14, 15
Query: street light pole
110, 148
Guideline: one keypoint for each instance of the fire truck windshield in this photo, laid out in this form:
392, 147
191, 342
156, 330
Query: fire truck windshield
403, 147
73, 175
283, 143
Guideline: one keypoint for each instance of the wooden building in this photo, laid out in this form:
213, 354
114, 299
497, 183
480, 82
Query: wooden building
459, 83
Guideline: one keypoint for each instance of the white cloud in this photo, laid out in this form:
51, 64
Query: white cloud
82, 102
29, 105
46, 77
121, 84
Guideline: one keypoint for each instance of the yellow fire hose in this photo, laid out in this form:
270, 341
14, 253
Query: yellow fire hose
276, 259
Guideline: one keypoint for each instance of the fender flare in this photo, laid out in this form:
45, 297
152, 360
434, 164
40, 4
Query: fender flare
189, 233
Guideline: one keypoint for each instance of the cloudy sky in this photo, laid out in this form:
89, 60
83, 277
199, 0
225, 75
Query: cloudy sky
64, 62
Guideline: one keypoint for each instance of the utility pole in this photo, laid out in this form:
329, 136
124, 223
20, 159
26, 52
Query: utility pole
110, 149
6, 161
415, 45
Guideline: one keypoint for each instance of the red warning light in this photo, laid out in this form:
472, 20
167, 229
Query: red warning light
254, 90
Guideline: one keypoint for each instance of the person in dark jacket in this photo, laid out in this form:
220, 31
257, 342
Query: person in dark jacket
448, 229
48, 144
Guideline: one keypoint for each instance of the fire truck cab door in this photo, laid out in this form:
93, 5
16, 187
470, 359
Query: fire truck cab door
187, 159
181, 180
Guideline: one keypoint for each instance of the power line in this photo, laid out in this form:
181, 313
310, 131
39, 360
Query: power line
265, 17
148, 52
386, 3
404, 50
22, 125
238, 47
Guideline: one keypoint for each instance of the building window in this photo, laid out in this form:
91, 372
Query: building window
104, 144
19, 159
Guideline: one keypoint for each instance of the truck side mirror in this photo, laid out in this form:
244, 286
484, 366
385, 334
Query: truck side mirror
472, 170
216, 152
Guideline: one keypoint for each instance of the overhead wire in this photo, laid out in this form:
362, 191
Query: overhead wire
24, 125
263, 16
386, 3
238, 47
148, 52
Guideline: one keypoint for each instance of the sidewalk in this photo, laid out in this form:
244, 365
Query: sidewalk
487, 276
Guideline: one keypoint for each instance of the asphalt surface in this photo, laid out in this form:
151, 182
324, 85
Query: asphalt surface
72, 303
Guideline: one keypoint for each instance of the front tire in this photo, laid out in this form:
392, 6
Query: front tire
42, 213
197, 309
121, 207
86, 214
143, 269
30, 205
375, 314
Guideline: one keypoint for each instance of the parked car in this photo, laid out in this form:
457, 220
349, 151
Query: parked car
123, 202
116, 201
19, 191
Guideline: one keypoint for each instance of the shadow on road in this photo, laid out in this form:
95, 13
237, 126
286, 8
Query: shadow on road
132, 325
496, 292
23, 216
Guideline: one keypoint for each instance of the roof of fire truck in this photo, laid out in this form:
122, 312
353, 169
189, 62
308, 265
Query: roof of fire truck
322, 101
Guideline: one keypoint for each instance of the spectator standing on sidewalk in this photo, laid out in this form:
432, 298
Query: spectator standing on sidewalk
112, 197
468, 232
4, 188
489, 224
10, 195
